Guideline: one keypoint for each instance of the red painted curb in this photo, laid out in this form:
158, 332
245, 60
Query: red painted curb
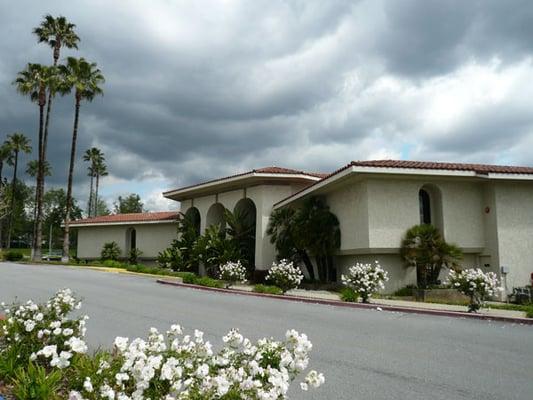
373, 306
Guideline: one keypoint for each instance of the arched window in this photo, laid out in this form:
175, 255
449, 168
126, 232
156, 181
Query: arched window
193, 215
131, 239
424, 200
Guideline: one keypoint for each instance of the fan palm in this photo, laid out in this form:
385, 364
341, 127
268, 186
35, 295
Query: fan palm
32, 168
5, 153
92, 155
100, 169
18, 143
34, 82
85, 78
57, 33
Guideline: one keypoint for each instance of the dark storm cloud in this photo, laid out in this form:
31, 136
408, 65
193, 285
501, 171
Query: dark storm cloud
204, 89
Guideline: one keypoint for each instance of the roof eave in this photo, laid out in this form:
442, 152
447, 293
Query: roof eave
87, 224
188, 192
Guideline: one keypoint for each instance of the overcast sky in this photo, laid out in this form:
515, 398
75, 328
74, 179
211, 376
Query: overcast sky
201, 89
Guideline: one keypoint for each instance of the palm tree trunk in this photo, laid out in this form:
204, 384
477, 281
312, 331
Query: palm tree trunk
91, 197
13, 196
66, 238
1, 216
308, 264
96, 195
38, 224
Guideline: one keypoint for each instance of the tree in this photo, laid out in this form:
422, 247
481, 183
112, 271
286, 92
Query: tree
32, 168
129, 204
54, 211
93, 156
18, 143
57, 33
85, 78
100, 169
5, 152
34, 82
309, 231
424, 248
241, 230
101, 207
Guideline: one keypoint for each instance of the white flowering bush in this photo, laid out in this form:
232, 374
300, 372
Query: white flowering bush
365, 279
43, 334
232, 272
285, 275
170, 366
476, 284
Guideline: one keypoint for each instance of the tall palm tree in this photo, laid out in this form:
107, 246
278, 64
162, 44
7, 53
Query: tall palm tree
57, 33
18, 143
85, 78
34, 82
92, 155
100, 169
5, 153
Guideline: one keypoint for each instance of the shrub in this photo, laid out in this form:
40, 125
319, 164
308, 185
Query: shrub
110, 251
188, 277
285, 275
112, 264
134, 255
349, 295
476, 284
209, 282
405, 291
365, 279
13, 255
267, 289
45, 335
34, 383
163, 366
424, 248
171, 258
232, 272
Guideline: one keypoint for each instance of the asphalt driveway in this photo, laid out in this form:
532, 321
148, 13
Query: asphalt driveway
365, 354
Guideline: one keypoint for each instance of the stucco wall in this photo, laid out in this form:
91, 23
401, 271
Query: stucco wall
514, 215
151, 239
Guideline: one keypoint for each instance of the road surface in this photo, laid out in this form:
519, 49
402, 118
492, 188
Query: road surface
365, 354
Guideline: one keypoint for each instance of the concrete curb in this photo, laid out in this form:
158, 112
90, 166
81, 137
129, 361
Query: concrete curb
373, 306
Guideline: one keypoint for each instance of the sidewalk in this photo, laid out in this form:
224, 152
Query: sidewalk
331, 298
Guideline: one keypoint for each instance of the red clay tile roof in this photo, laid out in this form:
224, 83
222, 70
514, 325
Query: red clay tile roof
478, 168
265, 170
134, 217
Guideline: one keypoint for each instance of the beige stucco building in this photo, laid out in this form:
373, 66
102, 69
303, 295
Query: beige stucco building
486, 210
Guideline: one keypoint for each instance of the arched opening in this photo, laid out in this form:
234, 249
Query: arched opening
245, 214
430, 206
131, 239
425, 207
215, 215
193, 215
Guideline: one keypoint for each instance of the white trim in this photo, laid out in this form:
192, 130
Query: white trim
520, 177
223, 181
87, 224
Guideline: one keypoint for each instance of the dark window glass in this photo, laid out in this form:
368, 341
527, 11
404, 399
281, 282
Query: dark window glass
425, 207
133, 239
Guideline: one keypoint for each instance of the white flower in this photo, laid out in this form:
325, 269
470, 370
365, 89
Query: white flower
87, 385
77, 345
121, 343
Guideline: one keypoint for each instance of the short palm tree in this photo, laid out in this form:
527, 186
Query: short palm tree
32, 168
34, 82
18, 143
100, 169
85, 79
95, 156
